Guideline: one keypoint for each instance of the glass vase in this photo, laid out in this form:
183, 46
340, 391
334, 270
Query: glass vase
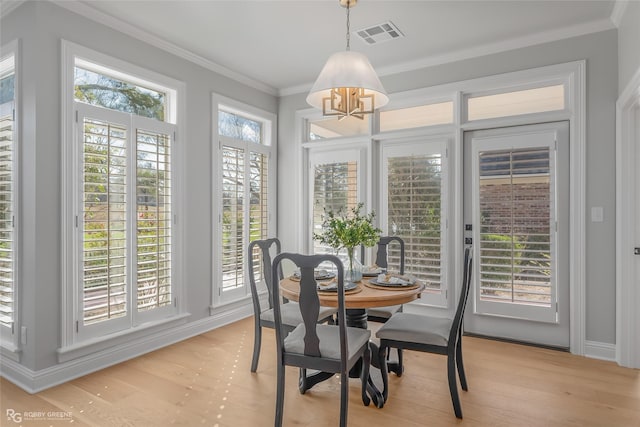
353, 269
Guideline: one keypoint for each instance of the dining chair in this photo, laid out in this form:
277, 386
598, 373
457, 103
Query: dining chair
432, 335
316, 346
263, 316
382, 314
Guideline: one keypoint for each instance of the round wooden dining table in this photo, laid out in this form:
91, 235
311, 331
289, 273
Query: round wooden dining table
357, 301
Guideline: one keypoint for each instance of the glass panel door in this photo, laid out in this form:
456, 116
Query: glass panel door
516, 216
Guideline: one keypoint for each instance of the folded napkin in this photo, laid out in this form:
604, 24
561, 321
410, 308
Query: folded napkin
395, 279
331, 285
372, 269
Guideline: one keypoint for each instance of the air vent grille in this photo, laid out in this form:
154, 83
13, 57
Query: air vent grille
380, 33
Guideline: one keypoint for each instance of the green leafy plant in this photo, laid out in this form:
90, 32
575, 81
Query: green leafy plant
348, 229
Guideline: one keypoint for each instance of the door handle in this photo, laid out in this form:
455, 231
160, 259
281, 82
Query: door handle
636, 251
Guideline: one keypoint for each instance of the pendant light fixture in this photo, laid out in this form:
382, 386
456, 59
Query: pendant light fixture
347, 85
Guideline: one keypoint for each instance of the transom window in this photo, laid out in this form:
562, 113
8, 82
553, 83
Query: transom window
319, 129
413, 117
238, 127
104, 90
528, 101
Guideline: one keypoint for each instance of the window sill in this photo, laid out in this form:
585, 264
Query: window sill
10, 351
133, 335
224, 306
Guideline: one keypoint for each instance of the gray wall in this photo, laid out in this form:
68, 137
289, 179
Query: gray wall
600, 51
40, 26
629, 44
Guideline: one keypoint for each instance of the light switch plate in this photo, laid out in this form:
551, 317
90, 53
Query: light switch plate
597, 214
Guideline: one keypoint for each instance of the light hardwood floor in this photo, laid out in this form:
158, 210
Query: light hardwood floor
206, 381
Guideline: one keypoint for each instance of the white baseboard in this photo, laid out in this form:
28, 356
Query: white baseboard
35, 381
600, 350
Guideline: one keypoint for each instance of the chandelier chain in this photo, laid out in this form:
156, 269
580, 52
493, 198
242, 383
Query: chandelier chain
348, 35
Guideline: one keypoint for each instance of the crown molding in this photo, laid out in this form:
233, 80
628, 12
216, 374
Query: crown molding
84, 9
90, 12
483, 50
8, 6
619, 8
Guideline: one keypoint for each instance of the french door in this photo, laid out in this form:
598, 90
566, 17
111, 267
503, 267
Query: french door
516, 216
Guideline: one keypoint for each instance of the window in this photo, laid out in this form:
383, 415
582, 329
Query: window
110, 92
8, 198
334, 189
413, 117
515, 237
415, 209
515, 209
549, 98
124, 234
334, 127
335, 182
246, 180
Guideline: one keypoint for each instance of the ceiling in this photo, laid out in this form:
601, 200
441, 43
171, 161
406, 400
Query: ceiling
280, 46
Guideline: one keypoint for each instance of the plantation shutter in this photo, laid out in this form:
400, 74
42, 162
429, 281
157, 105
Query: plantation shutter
153, 213
258, 205
233, 201
414, 213
104, 251
335, 187
515, 237
125, 221
7, 281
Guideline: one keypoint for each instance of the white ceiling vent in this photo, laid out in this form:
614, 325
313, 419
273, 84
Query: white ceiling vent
380, 33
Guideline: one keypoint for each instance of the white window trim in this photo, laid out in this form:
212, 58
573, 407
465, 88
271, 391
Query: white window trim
10, 343
268, 147
69, 303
